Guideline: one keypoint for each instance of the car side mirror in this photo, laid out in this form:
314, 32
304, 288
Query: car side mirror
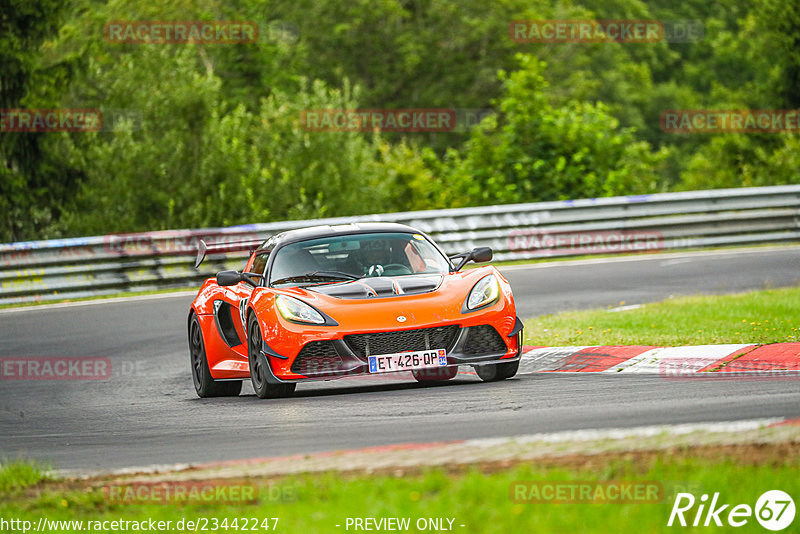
229, 278
478, 255
481, 254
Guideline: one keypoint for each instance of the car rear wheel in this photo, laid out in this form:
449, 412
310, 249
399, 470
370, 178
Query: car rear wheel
204, 383
259, 366
440, 374
500, 371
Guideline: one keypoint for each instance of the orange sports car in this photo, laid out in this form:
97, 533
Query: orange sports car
327, 302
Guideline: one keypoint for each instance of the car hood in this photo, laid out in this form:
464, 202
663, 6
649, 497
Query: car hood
436, 301
380, 287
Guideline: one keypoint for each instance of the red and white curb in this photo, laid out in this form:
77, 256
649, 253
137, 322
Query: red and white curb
776, 359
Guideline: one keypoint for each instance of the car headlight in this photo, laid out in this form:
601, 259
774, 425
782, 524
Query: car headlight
485, 292
298, 311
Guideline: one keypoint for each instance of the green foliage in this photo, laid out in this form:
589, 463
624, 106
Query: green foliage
189, 160
32, 183
536, 151
17, 475
735, 161
210, 135
779, 25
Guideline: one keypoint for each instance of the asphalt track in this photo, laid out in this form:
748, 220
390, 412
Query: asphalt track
147, 412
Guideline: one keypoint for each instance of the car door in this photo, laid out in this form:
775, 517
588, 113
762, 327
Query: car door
230, 310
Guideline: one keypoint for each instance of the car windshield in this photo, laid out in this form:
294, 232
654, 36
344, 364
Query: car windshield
349, 257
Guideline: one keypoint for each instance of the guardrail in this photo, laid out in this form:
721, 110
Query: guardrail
88, 266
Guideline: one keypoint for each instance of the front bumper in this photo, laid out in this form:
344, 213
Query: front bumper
348, 355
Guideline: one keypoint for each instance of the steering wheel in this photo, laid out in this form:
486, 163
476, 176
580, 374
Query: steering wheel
395, 269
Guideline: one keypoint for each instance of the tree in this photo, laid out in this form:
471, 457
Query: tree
32, 188
535, 151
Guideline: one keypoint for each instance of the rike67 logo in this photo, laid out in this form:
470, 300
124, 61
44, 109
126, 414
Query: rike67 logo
774, 510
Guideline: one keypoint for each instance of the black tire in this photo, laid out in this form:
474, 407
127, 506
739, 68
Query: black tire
500, 371
441, 374
259, 366
204, 383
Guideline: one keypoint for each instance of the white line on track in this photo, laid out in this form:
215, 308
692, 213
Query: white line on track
623, 433
648, 257
113, 300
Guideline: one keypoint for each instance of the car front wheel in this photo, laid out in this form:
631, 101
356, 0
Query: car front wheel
499, 371
259, 366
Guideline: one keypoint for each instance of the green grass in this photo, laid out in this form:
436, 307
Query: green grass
17, 475
478, 500
769, 316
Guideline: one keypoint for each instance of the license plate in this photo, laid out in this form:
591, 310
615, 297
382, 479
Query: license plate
406, 361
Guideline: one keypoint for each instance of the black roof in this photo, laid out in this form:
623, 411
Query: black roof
315, 232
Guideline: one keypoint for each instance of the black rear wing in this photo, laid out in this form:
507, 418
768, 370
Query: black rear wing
204, 249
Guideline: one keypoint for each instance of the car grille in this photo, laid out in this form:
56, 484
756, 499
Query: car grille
317, 358
442, 337
483, 339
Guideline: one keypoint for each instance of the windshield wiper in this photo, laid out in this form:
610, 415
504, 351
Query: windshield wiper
336, 274
317, 276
